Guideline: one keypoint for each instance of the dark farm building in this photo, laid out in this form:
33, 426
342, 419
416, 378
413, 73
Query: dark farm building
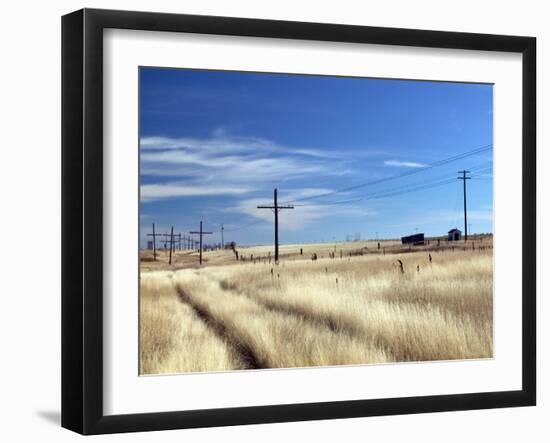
416, 239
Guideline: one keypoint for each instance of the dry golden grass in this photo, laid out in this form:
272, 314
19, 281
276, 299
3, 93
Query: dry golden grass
270, 339
172, 337
314, 313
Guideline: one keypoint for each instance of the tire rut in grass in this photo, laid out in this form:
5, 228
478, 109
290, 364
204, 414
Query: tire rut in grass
319, 320
297, 311
240, 348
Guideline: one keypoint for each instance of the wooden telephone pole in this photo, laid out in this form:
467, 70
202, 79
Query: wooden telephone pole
171, 244
276, 208
154, 235
201, 233
464, 178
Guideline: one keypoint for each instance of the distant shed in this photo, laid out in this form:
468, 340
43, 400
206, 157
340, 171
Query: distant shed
416, 239
454, 234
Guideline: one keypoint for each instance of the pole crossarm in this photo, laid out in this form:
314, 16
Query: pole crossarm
278, 207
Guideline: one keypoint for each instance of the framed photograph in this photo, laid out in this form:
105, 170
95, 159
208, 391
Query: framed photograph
269, 221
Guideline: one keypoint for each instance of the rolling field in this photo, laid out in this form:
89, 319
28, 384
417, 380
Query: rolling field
358, 309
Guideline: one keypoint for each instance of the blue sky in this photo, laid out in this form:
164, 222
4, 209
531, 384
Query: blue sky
214, 145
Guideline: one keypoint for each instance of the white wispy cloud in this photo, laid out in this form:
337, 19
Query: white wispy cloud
304, 214
151, 192
237, 158
232, 167
405, 164
182, 167
220, 142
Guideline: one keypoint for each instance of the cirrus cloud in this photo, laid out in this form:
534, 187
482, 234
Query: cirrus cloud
405, 164
158, 191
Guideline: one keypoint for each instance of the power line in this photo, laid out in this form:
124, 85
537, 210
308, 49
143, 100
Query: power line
370, 197
394, 177
442, 162
402, 189
393, 192
410, 189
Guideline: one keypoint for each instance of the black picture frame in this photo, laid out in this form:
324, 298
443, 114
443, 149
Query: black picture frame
82, 218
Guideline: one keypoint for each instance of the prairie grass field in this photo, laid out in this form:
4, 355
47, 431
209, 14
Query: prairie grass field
352, 305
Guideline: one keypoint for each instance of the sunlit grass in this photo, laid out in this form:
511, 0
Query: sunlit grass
361, 310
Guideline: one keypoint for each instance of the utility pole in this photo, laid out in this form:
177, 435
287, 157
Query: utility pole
276, 208
464, 178
154, 242
222, 237
201, 233
154, 245
171, 243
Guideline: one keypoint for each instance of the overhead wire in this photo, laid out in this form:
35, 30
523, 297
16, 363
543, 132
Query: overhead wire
438, 163
434, 181
404, 189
